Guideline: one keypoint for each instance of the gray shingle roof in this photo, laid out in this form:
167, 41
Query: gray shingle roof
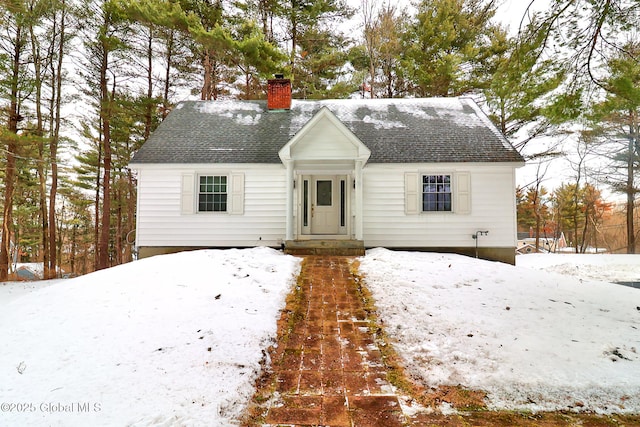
395, 130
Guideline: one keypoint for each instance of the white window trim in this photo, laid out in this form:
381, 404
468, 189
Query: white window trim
197, 193
451, 187
190, 189
460, 192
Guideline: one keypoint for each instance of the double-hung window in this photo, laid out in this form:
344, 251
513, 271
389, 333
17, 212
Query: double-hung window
436, 193
212, 193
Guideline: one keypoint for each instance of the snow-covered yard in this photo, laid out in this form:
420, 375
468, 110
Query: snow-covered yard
534, 340
177, 339
169, 340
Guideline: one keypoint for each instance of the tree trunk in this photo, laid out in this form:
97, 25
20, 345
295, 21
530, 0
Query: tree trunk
10, 167
205, 94
105, 119
118, 249
5, 250
585, 228
53, 147
96, 205
631, 234
148, 113
536, 207
131, 212
167, 75
74, 248
40, 168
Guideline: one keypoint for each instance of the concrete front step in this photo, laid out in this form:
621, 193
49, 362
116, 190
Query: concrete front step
324, 247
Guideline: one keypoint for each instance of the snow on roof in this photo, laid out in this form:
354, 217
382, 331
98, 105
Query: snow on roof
395, 130
235, 110
381, 123
223, 107
305, 111
248, 119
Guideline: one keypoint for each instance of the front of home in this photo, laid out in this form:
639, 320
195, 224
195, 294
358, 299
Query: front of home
423, 174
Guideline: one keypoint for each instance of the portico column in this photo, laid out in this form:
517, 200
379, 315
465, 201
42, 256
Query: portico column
359, 231
289, 214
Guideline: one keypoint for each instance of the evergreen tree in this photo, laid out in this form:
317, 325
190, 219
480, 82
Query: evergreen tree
319, 71
616, 120
107, 20
254, 57
525, 91
316, 48
445, 45
14, 21
579, 210
587, 34
533, 210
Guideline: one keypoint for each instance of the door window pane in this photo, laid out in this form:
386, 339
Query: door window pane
343, 203
323, 193
305, 203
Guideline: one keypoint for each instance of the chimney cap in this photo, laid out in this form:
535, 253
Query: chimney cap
279, 76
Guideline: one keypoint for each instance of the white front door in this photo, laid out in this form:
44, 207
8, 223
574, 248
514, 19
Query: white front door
325, 205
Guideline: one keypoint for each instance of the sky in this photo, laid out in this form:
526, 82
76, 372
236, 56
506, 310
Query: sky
509, 12
178, 339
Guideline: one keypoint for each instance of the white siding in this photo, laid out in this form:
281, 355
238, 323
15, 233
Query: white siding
324, 141
389, 222
163, 219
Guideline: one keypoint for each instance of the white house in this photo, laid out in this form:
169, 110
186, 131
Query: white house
423, 174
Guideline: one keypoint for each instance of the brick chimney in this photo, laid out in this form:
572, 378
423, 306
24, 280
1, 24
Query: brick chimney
279, 93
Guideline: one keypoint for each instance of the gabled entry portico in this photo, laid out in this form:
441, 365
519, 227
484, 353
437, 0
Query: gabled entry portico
324, 163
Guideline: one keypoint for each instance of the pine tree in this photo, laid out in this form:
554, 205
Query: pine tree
617, 122
524, 91
254, 57
316, 48
445, 45
589, 34
15, 33
533, 211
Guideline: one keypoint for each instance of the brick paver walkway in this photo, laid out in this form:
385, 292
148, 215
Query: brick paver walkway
330, 371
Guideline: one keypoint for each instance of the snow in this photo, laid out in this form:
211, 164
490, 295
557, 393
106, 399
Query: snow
12, 290
178, 339
168, 340
227, 106
248, 119
533, 340
233, 109
613, 268
488, 123
306, 109
381, 123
